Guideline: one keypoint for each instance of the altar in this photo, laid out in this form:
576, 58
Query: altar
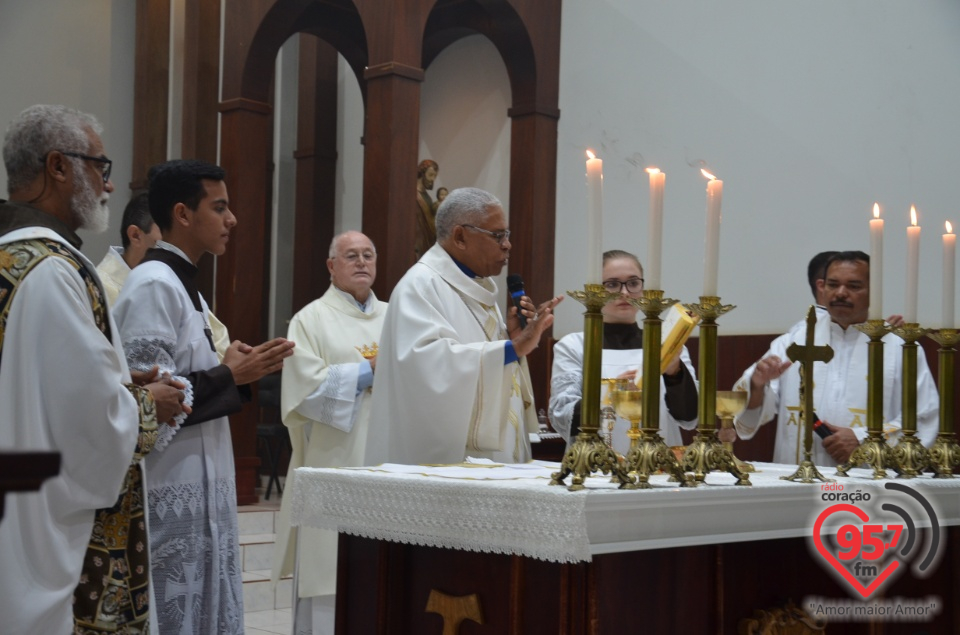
497, 545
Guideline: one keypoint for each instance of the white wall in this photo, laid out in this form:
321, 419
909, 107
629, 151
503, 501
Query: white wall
809, 112
79, 54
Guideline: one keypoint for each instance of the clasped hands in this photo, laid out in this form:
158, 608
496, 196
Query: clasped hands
167, 393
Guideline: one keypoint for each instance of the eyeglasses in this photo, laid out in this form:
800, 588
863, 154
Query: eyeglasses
354, 256
499, 236
107, 164
633, 285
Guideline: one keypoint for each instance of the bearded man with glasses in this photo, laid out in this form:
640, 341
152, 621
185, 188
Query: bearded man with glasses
452, 377
65, 387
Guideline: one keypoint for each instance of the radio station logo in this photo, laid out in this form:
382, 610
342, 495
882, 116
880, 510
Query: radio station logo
869, 539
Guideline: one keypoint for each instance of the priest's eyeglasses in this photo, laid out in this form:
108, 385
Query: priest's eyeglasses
105, 163
499, 236
354, 257
633, 285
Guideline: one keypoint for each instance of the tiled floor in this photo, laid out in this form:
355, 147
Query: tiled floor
267, 609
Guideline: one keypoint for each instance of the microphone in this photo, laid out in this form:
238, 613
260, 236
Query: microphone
515, 288
818, 427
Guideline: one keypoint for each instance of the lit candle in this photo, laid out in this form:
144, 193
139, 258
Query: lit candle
949, 268
655, 228
913, 268
876, 265
594, 219
711, 255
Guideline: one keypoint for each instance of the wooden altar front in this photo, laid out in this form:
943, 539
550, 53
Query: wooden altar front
667, 561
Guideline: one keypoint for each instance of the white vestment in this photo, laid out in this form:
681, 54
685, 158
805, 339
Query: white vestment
113, 272
191, 491
61, 391
442, 390
840, 391
329, 333
566, 385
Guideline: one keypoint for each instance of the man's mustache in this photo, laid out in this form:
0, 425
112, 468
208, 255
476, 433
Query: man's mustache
841, 303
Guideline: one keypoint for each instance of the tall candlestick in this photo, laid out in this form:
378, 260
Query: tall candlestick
949, 269
876, 265
594, 219
711, 254
913, 268
655, 228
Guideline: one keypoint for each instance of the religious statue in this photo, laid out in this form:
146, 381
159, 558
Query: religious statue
426, 210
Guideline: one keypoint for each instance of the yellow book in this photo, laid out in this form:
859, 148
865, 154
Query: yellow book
678, 324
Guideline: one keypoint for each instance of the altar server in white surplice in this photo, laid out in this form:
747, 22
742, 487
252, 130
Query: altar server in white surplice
622, 357
452, 377
325, 402
64, 385
840, 386
191, 490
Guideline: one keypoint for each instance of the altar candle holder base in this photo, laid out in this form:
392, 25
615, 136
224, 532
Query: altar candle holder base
944, 455
706, 454
874, 450
588, 453
650, 456
910, 458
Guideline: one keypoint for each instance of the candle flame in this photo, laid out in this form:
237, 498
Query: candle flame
653, 170
708, 175
949, 227
913, 215
591, 155
876, 210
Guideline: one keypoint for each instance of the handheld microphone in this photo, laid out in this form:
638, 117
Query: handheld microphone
822, 431
515, 288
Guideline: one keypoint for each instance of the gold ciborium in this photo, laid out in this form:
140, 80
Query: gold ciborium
730, 403
627, 400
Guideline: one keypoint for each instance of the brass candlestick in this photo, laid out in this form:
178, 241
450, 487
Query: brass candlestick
730, 403
706, 454
945, 453
910, 458
651, 453
874, 450
588, 453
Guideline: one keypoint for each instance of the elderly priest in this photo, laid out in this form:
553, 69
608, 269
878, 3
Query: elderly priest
452, 380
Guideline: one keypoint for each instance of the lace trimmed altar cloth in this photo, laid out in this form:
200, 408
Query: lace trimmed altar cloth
510, 509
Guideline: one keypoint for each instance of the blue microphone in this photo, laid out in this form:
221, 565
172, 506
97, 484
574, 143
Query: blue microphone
515, 288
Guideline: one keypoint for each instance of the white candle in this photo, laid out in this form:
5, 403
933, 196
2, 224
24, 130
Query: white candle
876, 265
913, 268
594, 219
711, 254
949, 269
655, 229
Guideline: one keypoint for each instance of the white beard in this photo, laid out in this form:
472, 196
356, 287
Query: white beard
93, 214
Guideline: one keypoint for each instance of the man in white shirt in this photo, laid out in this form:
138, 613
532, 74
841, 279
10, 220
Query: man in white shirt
138, 233
325, 403
452, 376
840, 386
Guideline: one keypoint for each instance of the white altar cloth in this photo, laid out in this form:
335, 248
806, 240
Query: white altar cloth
510, 509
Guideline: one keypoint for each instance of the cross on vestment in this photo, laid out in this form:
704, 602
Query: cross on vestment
806, 355
182, 589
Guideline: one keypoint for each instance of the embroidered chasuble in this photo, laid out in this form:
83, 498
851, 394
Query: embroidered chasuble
62, 372
442, 390
840, 392
191, 493
330, 333
622, 351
